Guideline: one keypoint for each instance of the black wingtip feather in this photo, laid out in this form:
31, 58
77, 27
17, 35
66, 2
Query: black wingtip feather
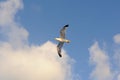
66, 25
59, 55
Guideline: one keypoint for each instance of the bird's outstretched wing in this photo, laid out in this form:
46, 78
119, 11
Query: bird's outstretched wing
59, 46
62, 31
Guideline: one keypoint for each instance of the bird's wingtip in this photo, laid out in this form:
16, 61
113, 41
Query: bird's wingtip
60, 55
67, 25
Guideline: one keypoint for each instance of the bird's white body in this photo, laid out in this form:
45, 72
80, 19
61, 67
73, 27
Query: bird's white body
62, 40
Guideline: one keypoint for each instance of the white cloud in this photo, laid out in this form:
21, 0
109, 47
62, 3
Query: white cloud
18, 60
100, 59
16, 35
117, 38
8, 9
33, 63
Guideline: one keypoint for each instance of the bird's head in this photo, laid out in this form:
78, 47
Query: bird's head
67, 41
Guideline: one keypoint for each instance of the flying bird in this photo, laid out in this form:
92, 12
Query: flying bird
62, 40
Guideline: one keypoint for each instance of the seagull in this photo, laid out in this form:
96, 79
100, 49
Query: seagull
62, 40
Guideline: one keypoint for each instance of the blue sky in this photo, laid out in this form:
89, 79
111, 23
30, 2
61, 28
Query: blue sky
89, 21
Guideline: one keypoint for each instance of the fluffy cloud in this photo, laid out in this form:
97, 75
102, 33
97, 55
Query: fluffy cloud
117, 38
18, 60
100, 59
33, 63
104, 68
14, 32
8, 9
